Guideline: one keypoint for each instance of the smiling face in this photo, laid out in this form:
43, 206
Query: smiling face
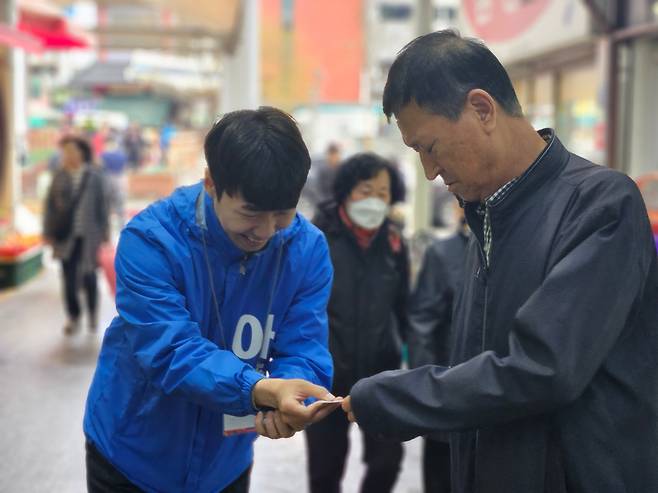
248, 228
458, 151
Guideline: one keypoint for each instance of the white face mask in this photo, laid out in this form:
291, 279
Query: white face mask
368, 213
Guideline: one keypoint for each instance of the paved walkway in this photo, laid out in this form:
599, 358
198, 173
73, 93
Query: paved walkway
44, 379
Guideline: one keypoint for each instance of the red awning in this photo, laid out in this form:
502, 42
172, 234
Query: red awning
11, 36
53, 30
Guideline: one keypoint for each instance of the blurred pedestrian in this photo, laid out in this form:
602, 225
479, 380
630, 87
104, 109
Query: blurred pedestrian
134, 145
367, 313
554, 368
167, 134
76, 224
114, 163
98, 139
221, 329
430, 318
321, 180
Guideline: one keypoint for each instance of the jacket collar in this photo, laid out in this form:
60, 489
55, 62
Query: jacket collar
547, 165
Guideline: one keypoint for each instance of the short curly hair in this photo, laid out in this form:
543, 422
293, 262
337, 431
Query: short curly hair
361, 167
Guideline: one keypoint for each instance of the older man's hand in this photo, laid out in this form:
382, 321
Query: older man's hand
347, 407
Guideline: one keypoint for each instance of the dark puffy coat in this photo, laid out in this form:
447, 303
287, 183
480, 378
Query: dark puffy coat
367, 308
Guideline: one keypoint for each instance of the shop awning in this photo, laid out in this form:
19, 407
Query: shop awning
54, 31
10, 36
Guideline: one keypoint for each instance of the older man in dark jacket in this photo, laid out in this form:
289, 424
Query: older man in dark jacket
554, 379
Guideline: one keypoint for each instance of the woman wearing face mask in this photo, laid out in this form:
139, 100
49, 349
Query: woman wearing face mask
367, 312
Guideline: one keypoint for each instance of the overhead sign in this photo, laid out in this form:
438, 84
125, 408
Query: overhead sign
504, 19
518, 29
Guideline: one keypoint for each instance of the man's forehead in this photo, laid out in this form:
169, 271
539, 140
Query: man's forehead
247, 206
408, 130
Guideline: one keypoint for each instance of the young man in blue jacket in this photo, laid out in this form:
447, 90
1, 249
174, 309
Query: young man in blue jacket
217, 285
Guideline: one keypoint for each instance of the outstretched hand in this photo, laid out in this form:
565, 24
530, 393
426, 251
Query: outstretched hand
289, 414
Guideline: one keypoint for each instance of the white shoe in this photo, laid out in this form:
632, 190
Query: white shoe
72, 326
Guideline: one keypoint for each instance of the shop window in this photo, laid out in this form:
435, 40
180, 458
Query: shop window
540, 106
447, 14
580, 116
395, 11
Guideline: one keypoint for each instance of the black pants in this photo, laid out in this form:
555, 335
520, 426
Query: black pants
70, 270
436, 466
103, 477
328, 444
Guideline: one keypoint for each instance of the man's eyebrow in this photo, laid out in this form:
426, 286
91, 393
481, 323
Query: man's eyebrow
251, 208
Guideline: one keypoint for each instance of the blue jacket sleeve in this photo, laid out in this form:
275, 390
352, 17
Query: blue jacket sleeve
300, 348
166, 342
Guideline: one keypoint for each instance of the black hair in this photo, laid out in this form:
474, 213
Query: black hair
259, 154
81, 144
439, 69
361, 167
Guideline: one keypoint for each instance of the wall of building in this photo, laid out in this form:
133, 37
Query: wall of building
311, 52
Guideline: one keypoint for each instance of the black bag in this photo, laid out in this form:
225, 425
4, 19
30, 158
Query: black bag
63, 219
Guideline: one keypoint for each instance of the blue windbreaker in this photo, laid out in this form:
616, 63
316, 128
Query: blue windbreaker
165, 377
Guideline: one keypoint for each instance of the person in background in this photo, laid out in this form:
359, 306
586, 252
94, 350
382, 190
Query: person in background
323, 172
98, 139
76, 224
430, 318
167, 134
367, 312
114, 162
134, 144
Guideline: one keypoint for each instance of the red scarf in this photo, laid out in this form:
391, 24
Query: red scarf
363, 236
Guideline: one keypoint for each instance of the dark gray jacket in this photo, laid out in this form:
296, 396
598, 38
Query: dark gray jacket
554, 383
93, 208
431, 303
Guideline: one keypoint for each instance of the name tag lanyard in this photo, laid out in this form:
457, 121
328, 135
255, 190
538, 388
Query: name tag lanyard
268, 335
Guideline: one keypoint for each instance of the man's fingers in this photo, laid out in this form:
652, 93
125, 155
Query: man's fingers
321, 410
270, 426
260, 427
308, 389
265, 427
284, 430
347, 404
347, 407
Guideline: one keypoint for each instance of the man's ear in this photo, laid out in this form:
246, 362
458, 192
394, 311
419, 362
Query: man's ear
484, 106
208, 184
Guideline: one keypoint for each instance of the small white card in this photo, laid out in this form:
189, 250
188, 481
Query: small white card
236, 425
